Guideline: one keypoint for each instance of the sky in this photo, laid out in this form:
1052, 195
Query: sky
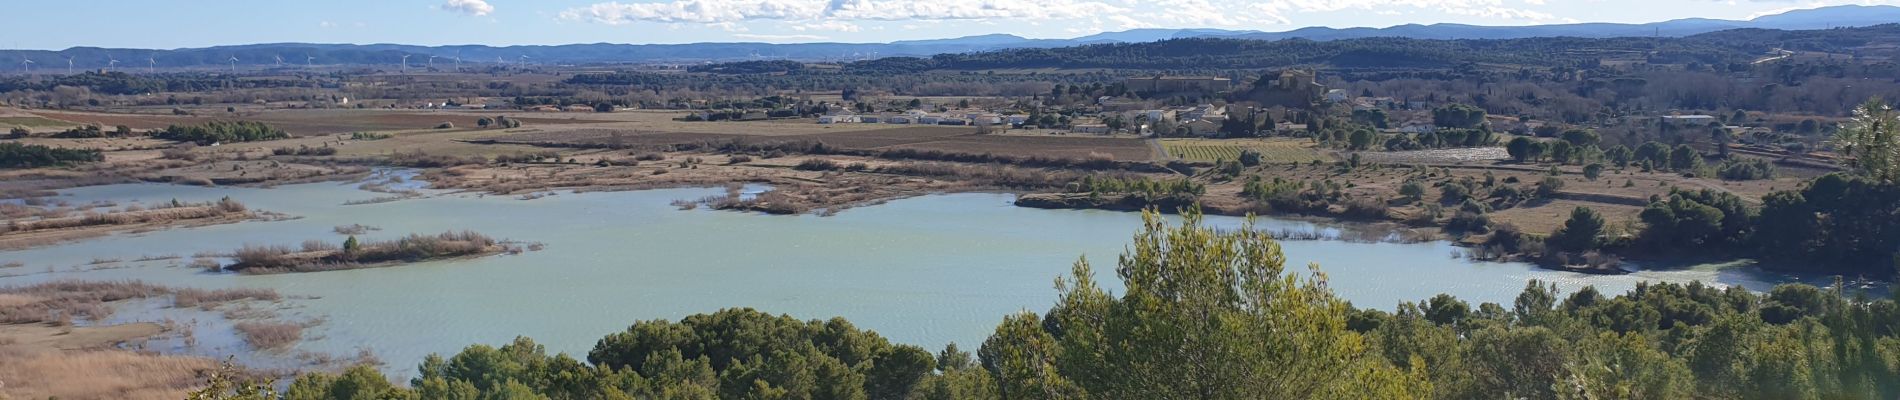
170, 24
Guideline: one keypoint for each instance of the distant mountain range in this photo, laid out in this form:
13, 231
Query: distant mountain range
294, 54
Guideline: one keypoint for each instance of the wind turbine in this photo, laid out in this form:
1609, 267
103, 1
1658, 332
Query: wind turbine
431, 63
110, 62
69, 65
307, 59
26, 64
458, 61
233, 64
405, 63
280, 59
151, 65
524, 59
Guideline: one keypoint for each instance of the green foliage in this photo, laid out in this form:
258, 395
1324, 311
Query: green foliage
1412, 189
1144, 187
1519, 148
1206, 313
1842, 223
1462, 116
1580, 233
1361, 139
1684, 159
1580, 137
1250, 158
1871, 142
1593, 171
15, 155
221, 132
1745, 170
1697, 218
1620, 155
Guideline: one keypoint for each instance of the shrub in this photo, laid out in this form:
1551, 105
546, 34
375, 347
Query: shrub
1744, 170
1250, 157
1412, 189
1593, 171
270, 335
816, 164
1468, 222
445, 125
1549, 186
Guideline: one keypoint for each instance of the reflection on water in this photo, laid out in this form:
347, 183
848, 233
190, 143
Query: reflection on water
927, 271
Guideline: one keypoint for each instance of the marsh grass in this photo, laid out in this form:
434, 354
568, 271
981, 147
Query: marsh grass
323, 256
270, 335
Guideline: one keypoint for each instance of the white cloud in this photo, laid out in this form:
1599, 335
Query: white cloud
707, 11
833, 26
1476, 8
471, 7
326, 24
770, 38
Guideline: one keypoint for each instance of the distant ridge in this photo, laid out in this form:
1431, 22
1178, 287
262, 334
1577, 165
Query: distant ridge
292, 54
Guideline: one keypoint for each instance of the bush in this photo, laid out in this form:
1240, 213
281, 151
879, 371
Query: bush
1250, 158
1593, 171
270, 335
1468, 222
1746, 170
738, 159
816, 164
1549, 186
1412, 189
445, 125
304, 151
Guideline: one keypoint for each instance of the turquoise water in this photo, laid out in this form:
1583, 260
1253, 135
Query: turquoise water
928, 270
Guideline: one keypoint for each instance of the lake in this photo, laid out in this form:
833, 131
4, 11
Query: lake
927, 270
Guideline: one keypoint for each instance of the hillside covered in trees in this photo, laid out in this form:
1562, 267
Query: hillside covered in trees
1193, 53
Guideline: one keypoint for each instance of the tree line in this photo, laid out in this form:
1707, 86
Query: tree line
221, 132
16, 155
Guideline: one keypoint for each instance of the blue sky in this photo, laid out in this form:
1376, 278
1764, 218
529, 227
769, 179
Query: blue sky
50, 24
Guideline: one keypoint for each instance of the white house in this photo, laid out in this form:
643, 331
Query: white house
1337, 95
837, 119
